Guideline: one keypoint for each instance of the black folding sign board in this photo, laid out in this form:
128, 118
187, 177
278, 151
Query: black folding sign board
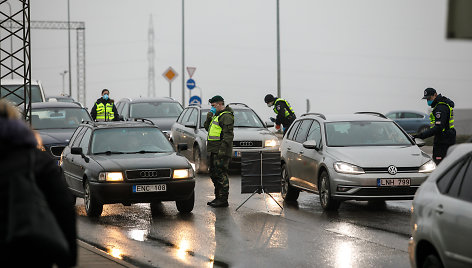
252, 177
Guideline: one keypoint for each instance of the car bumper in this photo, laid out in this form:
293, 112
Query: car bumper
364, 186
122, 192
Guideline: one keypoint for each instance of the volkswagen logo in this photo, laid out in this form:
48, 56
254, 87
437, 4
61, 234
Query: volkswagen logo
246, 143
148, 174
392, 170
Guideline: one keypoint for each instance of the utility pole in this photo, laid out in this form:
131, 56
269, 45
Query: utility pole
11, 41
183, 53
151, 59
63, 82
68, 32
279, 93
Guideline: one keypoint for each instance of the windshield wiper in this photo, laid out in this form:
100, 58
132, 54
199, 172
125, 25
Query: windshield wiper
109, 152
144, 152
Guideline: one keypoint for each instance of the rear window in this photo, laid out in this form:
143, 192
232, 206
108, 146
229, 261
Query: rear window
49, 118
155, 109
19, 94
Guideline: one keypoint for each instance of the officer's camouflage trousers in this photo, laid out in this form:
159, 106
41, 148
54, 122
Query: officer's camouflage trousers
219, 174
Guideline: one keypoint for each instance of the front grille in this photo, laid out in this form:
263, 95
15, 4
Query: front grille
387, 191
247, 144
385, 170
56, 150
148, 174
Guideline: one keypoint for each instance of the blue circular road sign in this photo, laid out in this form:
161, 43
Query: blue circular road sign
190, 84
195, 100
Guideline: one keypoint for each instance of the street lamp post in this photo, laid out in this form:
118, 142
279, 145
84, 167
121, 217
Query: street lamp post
279, 91
68, 31
63, 82
11, 41
183, 53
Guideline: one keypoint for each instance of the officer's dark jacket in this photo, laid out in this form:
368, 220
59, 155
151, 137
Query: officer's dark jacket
281, 107
93, 113
16, 142
441, 114
225, 145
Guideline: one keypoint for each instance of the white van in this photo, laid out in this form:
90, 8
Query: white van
37, 92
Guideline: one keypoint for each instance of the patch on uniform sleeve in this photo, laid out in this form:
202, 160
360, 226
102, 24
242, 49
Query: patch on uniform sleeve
438, 115
278, 107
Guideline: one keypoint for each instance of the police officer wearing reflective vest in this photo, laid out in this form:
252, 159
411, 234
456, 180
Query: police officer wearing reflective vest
219, 124
104, 109
442, 124
283, 110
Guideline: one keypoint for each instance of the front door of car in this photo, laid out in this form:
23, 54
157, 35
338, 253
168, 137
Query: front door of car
313, 157
69, 159
190, 132
79, 163
300, 162
177, 129
287, 148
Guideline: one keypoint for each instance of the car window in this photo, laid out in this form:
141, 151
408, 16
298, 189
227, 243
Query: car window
79, 137
58, 118
203, 117
76, 132
365, 133
303, 131
182, 115
193, 116
155, 109
293, 130
84, 143
20, 91
447, 178
315, 132
119, 107
125, 112
411, 115
457, 181
466, 187
187, 116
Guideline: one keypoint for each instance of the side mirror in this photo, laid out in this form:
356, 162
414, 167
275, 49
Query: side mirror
311, 144
420, 142
191, 125
182, 147
269, 124
76, 150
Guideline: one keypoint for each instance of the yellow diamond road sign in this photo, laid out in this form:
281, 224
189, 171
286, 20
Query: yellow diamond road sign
170, 74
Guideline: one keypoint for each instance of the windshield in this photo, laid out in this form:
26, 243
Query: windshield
360, 133
155, 109
130, 140
47, 118
242, 118
35, 93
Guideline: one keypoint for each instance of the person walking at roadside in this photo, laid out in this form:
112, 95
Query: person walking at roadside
220, 126
19, 153
104, 108
283, 110
442, 124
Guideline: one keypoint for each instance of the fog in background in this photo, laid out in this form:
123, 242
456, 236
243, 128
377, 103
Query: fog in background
344, 56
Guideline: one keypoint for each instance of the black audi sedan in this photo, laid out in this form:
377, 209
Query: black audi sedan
126, 162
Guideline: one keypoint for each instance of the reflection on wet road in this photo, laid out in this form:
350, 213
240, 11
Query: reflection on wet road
301, 235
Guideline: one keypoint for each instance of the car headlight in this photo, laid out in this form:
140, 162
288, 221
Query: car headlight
428, 167
342, 167
110, 176
271, 143
183, 173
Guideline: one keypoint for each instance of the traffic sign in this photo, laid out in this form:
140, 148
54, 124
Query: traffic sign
190, 84
195, 100
191, 71
170, 74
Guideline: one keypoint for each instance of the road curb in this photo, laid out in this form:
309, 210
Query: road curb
102, 253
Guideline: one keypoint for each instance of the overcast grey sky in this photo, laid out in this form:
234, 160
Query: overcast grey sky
343, 55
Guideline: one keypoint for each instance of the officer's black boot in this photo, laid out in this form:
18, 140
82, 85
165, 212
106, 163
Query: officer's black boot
221, 201
217, 192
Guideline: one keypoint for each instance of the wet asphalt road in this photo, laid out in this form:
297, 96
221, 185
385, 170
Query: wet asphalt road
302, 235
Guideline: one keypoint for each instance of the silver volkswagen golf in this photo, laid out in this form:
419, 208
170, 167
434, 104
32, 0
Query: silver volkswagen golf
362, 156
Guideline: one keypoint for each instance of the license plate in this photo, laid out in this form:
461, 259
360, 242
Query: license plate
149, 188
393, 182
237, 154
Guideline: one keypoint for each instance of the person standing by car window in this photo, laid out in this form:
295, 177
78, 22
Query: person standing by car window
17, 142
104, 108
220, 126
442, 124
283, 110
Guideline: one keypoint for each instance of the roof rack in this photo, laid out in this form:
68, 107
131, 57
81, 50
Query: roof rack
238, 103
373, 113
144, 120
317, 114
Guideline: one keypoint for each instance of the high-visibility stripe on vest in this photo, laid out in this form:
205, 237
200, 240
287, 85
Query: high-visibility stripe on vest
432, 118
287, 113
214, 132
105, 112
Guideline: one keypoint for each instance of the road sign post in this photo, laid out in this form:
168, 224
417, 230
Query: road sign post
170, 74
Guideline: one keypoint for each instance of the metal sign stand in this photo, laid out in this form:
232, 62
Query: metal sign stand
260, 190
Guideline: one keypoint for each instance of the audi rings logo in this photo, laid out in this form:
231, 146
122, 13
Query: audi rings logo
392, 170
148, 174
246, 143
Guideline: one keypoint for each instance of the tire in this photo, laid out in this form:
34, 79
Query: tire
197, 159
156, 208
93, 208
186, 206
432, 261
326, 201
288, 192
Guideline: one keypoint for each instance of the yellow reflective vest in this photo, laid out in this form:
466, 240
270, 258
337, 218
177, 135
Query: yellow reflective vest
105, 113
432, 118
287, 113
214, 132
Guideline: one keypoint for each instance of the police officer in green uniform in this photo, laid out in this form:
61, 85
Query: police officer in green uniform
219, 124
104, 108
283, 110
442, 124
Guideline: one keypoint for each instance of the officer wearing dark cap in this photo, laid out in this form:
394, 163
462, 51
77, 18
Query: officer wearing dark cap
283, 110
442, 124
220, 125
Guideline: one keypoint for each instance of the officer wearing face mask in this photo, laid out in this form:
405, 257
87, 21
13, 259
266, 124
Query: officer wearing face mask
442, 124
283, 110
104, 108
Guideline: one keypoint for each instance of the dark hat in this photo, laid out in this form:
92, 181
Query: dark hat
268, 98
429, 92
216, 98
